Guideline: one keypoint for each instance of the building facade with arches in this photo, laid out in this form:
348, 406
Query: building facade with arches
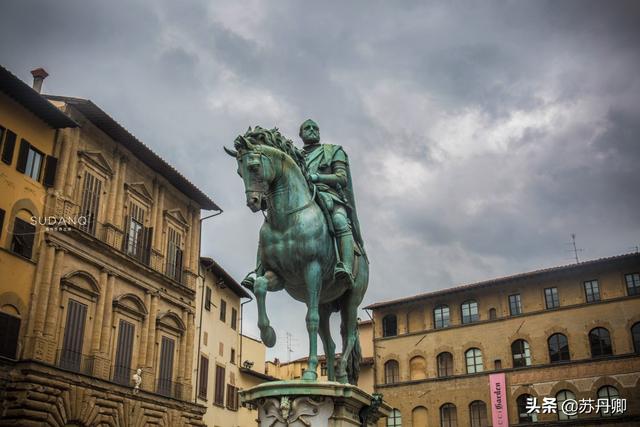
570, 333
108, 331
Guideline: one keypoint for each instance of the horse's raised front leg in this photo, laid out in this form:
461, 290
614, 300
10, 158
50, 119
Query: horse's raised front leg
327, 341
262, 284
313, 280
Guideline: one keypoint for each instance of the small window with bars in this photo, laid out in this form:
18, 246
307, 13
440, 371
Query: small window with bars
90, 203
174, 255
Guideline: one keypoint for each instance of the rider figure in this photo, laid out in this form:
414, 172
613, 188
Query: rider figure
328, 168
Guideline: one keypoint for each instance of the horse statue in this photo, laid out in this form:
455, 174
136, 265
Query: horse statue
296, 251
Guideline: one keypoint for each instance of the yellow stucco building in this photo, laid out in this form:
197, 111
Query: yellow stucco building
569, 333
108, 319
225, 361
28, 162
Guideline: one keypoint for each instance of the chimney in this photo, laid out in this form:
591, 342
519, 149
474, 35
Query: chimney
39, 74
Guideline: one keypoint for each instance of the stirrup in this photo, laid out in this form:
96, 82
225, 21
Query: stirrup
342, 275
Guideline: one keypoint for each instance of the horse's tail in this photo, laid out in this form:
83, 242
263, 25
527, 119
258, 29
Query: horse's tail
355, 358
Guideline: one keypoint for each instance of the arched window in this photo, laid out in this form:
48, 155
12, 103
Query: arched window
9, 331
473, 357
493, 315
391, 372
560, 398
520, 353
417, 368
419, 416
558, 348
635, 334
448, 415
523, 414
600, 342
469, 311
23, 234
608, 392
389, 325
441, 316
478, 414
394, 419
445, 364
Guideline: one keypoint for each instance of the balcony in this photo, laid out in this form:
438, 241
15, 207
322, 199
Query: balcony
74, 361
122, 375
170, 388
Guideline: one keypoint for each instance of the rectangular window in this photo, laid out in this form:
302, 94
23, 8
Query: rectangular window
203, 378
633, 283
234, 318
34, 164
8, 146
551, 299
9, 331
441, 316
135, 240
220, 381
232, 397
23, 237
165, 372
71, 354
233, 356
515, 306
207, 298
174, 255
90, 203
223, 311
592, 291
122, 372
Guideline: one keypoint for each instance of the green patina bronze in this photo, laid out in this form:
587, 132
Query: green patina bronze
310, 242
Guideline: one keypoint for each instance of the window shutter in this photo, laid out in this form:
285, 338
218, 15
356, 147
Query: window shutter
50, 171
9, 330
204, 376
21, 166
125, 241
179, 265
1, 221
9, 145
207, 299
148, 233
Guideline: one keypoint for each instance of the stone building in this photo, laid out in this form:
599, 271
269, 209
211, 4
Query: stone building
28, 163
225, 361
114, 287
571, 333
293, 370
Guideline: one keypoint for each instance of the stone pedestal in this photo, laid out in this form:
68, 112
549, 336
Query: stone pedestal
314, 404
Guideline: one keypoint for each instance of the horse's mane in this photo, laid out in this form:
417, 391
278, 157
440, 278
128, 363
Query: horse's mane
273, 138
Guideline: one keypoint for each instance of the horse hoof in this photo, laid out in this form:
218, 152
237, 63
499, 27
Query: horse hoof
268, 336
309, 375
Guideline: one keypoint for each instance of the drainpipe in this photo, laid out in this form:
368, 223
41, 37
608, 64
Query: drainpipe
204, 278
375, 356
241, 319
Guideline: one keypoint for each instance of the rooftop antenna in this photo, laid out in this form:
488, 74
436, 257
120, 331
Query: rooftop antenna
575, 248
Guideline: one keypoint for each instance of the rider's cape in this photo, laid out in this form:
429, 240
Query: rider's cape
330, 153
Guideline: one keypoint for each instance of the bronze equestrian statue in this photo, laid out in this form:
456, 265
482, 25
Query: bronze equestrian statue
310, 242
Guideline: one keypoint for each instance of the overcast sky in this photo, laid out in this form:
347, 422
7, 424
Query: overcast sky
480, 134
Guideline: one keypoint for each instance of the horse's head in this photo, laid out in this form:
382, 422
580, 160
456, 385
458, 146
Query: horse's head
255, 166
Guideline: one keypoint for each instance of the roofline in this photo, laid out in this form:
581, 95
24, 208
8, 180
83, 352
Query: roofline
257, 374
210, 263
33, 101
118, 133
507, 279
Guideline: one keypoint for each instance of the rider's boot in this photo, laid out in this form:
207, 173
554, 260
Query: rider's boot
344, 268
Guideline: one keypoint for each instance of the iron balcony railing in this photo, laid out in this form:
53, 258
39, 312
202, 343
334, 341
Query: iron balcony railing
122, 375
75, 361
169, 388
